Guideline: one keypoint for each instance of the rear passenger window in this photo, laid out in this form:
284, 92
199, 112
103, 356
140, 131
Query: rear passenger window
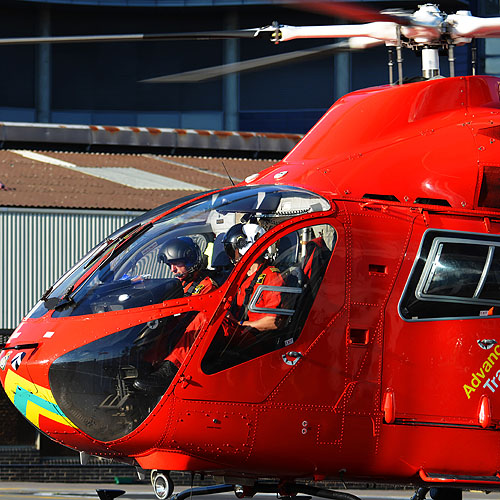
456, 275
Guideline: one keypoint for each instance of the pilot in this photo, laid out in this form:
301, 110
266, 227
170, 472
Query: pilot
237, 242
184, 258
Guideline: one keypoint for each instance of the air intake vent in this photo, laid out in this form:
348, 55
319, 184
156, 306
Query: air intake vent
383, 197
433, 201
493, 132
489, 196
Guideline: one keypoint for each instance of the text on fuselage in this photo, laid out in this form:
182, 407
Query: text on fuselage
481, 377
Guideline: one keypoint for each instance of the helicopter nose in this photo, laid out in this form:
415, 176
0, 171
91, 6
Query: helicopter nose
34, 401
98, 384
86, 389
22, 381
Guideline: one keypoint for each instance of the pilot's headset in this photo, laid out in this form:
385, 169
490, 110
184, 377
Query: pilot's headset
241, 237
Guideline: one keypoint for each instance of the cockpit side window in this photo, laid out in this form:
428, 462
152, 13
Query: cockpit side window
274, 299
456, 275
136, 267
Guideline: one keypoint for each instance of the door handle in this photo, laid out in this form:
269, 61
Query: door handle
292, 357
486, 343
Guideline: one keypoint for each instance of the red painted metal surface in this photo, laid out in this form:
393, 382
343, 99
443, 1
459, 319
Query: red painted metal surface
374, 395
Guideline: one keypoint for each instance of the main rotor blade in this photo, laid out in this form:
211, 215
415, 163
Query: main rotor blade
379, 30
204, 74
197, 35
464, 26
352, 11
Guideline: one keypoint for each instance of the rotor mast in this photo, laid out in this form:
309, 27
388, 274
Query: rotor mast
430, 62
426, 35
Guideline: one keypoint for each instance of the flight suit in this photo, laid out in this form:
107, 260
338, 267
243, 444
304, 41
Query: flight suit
191, 288
270, 276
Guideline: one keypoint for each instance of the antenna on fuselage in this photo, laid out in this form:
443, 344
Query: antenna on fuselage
232, 182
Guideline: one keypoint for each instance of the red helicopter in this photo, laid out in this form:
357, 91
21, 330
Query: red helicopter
379, 356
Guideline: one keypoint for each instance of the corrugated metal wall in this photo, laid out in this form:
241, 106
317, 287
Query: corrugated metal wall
38, 246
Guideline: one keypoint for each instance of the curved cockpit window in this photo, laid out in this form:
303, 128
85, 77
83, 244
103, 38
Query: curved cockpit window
108, 387
78, 270
129, 269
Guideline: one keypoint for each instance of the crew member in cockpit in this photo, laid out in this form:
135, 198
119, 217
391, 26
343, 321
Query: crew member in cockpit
184, 258
237, 241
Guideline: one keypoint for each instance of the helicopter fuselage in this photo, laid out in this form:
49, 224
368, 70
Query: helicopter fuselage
387, 364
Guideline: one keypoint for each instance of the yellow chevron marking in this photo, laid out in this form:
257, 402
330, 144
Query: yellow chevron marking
27, 403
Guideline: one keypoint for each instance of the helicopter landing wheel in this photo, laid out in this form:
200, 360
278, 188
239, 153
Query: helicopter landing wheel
163, 486
153, 475
244, 491
446, 493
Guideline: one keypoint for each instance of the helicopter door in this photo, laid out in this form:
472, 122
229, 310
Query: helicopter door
446, 368
260, 330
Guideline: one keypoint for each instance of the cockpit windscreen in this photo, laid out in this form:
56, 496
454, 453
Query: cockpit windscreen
128, 270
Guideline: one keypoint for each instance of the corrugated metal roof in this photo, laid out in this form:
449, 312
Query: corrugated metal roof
126, 176
103, 180
38, 246
55, 206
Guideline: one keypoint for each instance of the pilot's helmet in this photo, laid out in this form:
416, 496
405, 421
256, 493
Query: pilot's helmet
182, 249
241, 237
